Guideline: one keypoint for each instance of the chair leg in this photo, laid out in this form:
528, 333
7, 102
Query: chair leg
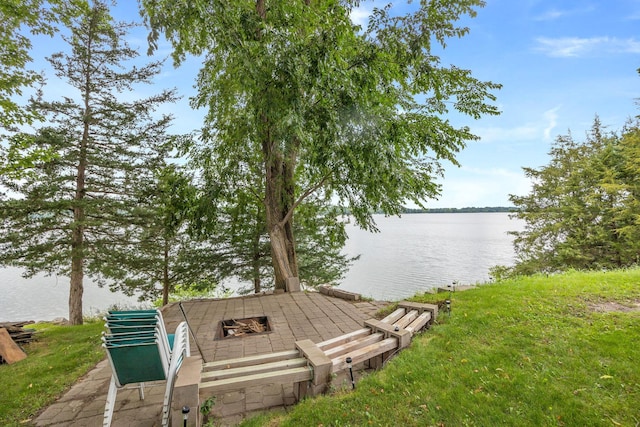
180, 351
166, 404
110, 404
141, 391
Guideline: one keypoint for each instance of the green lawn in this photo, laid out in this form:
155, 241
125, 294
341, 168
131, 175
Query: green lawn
56, 360
526, 352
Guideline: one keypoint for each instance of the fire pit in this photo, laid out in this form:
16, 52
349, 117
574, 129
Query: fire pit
236, 328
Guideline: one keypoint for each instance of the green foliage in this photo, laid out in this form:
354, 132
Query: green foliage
583, 208
20, 17
535, 351
315, 105
59, 356
70, 212
230, 214
165, 255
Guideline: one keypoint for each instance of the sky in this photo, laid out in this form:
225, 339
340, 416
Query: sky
560, 62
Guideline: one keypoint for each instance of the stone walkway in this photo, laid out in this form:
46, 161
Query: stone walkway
293, 317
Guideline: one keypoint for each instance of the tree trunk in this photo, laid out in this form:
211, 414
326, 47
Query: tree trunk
278, 202
279, 193
76, 288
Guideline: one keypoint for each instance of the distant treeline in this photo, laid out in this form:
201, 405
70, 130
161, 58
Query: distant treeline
449, 210
461, 210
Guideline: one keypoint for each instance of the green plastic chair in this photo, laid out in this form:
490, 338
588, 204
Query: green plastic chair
139, 350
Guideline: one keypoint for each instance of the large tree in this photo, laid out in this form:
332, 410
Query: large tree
71, 213
352, 114
582, 211
230, 214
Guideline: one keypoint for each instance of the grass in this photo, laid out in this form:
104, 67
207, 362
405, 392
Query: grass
60, 356
531, 351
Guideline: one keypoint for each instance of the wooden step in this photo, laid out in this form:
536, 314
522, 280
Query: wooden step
343, 339
251, 360
406, 319
395, 316
419, 323
365, 353
287, 376
255, 369
354, 345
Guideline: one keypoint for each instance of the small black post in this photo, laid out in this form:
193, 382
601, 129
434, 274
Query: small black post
353, 383
185, 415
448, 304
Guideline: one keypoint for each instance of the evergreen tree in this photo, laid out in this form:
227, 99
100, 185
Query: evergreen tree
72, 214
582, 209
161, 250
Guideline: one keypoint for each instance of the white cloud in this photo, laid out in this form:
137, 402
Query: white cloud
481, 187
564, 47
539, 129
553, 14
360, 16
552, 120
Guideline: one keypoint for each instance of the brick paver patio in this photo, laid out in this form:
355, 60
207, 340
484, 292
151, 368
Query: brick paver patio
293, 316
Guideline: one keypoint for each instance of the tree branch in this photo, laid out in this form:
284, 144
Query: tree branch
304, 195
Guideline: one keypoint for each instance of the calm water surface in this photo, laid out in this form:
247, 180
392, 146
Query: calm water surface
47, 297
418, 252
410, 254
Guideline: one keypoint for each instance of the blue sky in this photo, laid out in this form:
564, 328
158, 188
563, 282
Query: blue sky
560, 64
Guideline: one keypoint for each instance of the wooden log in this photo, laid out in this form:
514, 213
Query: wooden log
287, 376
406, 319
255, 369
251, 360
365, 353
9, 350
354, 345
18, 333
394, 317
343, 339
419, 323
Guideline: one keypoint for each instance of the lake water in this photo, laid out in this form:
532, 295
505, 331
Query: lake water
419, 252
410, 254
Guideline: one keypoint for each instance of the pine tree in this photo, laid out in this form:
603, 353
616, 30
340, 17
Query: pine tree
72, 214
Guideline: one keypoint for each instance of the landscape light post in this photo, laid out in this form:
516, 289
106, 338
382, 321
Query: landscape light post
185, 415
353, 383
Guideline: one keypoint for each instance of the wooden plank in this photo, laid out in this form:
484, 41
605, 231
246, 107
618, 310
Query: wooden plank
289, 376
365, 353
394, 317
251, 360
419, 323
9, 350
254, 369
354, 345
343, 339
406, 319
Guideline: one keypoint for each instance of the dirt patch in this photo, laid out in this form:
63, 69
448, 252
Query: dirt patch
613, 306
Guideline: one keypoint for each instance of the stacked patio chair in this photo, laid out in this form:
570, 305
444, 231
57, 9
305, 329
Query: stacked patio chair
140, 350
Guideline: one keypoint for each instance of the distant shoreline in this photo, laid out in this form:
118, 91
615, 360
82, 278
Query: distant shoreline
461, 210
